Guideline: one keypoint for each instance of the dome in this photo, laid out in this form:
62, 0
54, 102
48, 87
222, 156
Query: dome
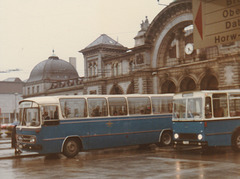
53, 69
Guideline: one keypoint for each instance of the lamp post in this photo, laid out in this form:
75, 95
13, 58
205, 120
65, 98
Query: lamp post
161, 3
15, 111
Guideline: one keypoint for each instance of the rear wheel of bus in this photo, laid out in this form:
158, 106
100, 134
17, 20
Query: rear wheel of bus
71, 147
236, 141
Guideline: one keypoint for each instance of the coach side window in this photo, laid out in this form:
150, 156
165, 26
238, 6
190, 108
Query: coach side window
234, 105
220, 107
139, 105
97, 107
117, 106
73, 108
49, 112
162, 105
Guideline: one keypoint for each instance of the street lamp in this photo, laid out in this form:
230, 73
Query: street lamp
15, 111
161, 3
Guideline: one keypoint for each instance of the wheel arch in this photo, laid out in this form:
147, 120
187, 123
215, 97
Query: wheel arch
236, 130
161, 133
72, 137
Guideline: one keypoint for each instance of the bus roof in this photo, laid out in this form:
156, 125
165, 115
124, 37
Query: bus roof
203, 92
43, 100
55, 99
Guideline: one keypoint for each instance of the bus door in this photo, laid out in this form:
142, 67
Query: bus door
75, 121
119, 121
141, 122
99, 125
162, 107
50, 132
220, 124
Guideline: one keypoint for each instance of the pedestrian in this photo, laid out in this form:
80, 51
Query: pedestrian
14, 140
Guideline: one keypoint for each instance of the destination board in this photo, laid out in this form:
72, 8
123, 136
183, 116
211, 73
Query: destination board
215, 22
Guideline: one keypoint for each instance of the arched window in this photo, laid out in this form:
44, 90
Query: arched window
209, 82
90, 70
168, 87
94, 69
131, 66
116, 69
112, 69
187, 84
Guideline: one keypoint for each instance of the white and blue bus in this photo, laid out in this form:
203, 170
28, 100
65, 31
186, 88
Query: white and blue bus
207, 119
69, 124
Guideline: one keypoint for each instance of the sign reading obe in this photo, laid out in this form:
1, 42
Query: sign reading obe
215, 22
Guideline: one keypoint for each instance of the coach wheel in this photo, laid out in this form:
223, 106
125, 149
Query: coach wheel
236, 142
71, 148
166, 139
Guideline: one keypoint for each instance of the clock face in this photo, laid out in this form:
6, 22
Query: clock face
189, 48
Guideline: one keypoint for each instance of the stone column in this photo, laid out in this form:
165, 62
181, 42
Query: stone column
179, 45
155, 83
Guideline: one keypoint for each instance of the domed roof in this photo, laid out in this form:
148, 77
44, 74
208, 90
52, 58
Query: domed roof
53, 69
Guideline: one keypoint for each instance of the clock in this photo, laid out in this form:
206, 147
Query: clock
189, 48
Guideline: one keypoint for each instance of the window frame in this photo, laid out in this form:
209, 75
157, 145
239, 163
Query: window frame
101, 112
73, 110
123, 105
142, 110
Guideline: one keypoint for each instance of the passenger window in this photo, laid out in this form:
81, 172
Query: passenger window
208, 107
117, 106
97, 107
234, 102
161, 105
50, 112
73, 108
139, 105
220, 107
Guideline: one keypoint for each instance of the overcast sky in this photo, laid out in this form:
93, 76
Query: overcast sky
31, 29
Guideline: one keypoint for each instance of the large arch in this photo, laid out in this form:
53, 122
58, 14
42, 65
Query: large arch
209, 82
168, 87
187, 84
174, 17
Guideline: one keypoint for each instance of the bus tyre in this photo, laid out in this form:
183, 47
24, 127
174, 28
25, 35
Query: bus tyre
166, 139
71, 148
236, 141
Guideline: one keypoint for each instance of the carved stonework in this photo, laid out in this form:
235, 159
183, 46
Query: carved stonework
139, 59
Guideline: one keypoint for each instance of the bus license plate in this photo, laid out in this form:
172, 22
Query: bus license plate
185, 142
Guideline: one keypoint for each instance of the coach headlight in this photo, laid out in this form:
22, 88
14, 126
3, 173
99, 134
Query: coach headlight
19, 138
200, 136
32, 139
176, 136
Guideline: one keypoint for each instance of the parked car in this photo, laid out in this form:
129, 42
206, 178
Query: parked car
8, 127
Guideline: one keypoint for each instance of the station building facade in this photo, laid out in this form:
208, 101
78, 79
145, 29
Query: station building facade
163, 60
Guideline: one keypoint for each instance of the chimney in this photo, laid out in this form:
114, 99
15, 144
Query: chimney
72, 60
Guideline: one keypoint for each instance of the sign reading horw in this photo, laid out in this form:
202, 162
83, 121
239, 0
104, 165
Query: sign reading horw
215, 22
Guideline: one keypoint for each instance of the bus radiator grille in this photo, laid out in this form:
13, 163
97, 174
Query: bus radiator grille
188, 136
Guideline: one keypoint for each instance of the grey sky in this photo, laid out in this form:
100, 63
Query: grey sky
31, 29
